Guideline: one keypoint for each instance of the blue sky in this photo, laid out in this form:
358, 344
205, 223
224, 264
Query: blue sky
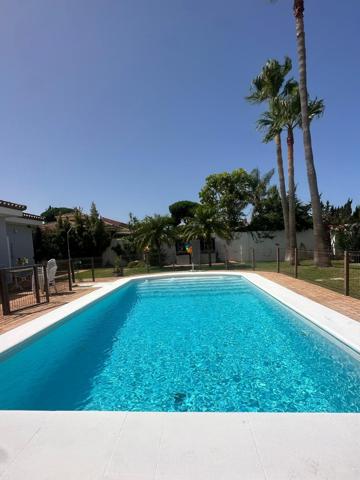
132, 103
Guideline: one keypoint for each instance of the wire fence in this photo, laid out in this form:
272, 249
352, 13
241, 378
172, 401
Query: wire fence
339, 272
22, 287
26, 286
30, 285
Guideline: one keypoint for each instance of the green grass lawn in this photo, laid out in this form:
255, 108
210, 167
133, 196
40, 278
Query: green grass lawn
332, 277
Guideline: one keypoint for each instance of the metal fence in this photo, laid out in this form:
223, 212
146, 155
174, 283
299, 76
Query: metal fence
342, 275
29, 285
26, 286
22, 287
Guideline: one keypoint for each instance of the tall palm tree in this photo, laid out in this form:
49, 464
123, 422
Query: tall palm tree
206, 223
288, 113
267, 86
153, 232
321, 258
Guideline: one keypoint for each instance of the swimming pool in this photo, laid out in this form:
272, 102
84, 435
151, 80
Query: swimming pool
214, 343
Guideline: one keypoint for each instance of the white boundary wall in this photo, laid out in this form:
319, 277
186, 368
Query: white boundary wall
264, 243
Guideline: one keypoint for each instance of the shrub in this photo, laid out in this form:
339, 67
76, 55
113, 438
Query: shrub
136, 263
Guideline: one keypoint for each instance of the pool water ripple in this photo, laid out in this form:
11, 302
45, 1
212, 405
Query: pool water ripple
183, 344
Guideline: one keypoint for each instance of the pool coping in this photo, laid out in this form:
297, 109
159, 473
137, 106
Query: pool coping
339, 326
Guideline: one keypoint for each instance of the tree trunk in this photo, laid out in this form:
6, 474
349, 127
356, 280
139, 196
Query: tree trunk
321, 257
291, 193
158, 246
209, 251
282, 189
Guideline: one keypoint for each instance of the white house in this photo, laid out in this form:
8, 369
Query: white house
239, 249
16, 233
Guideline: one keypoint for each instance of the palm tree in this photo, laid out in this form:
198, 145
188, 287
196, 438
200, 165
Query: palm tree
205, 223
267, 87
287, 110
321, 258
258, 188
153, 232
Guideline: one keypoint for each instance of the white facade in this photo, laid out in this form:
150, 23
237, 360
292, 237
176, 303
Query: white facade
16, 230
239, 249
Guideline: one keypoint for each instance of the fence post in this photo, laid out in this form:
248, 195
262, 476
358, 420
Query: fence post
72, 271
278, 259
346, 273
69, 277
296, 262
36, 283
253, 258
46, 284
93, 269
4, 293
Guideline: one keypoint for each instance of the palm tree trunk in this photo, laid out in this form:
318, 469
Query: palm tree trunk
321, 257
209, 251
291, 183
282, 189
158, 247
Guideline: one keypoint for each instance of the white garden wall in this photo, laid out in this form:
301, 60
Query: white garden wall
239, 249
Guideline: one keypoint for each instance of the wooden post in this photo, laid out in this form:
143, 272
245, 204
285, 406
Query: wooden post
92, 269
36, 283
253, 258
296, 262
4, 293
69, 277
46, 284
278, 259
346, 274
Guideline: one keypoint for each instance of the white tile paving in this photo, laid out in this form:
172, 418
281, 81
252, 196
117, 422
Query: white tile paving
178, 446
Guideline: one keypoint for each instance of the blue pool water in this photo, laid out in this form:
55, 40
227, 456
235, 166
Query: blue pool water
183, 344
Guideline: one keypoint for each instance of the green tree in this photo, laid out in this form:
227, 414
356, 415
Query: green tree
182, 210
286, 113
269, 217
51, 213
258, 188
204, 225
267, 87
153, 232
228, 194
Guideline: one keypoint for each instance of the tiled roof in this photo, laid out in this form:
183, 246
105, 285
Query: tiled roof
30, 216
114, 223
15, 206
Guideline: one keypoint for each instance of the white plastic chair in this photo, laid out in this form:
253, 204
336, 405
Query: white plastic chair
51, 270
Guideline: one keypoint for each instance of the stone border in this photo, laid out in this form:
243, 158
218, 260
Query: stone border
341, 327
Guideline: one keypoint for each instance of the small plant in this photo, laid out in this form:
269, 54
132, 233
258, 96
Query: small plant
136, 264
118, 269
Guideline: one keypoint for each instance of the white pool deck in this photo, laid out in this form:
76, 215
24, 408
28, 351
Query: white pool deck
179, 446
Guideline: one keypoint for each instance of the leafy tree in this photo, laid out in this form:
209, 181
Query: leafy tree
153, 232
182, 210
88, 237
269, 217
258, 188
51, 213
206, 223
228, 195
